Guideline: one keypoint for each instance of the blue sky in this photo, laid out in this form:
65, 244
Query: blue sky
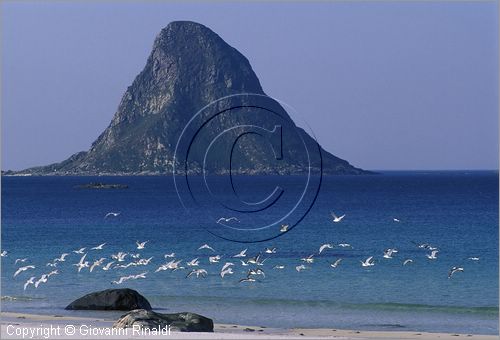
384, 85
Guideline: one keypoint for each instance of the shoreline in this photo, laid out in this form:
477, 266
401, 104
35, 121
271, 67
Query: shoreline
10, 322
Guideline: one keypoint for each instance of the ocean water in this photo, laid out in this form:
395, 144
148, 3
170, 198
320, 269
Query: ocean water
457, 212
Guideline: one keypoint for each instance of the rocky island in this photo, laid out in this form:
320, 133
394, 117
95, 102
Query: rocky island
189, 67
98, 185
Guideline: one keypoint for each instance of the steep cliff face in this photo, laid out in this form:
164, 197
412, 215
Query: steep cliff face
189, 67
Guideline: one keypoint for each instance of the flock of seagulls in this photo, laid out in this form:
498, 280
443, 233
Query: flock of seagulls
255, 264
193, 266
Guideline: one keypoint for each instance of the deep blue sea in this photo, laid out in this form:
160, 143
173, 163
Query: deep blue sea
456, 212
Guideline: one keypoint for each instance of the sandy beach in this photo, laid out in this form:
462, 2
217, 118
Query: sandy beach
64, 327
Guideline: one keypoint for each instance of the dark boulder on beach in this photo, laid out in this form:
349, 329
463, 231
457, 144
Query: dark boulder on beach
176, 322
111, 299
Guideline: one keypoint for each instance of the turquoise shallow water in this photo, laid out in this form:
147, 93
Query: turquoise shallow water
454, 211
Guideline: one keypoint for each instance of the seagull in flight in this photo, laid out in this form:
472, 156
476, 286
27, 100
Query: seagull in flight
214, 259
176, 266
43, 279
22, 269
113, 214
172, 265
3, 253
226, 265
193, 262
309, 259
407, 261
141, 245
144, 262
163, 267
257, 260
335, 218
279, 266
325, 246
336, 263
20, 260
300, 268
473, 258
62, 258
170, 255
82, 263
227, 219
396, 220
345, 245
120, 257
368, 262
125, 266
29, 282
257, 271
225, 272
54, 272
122, 279
97, 263
421, 245
243, 263
432, 255
198, 272
108, 266
453, 270
254, 260
425, 246
206, 246
388, 253
79, 251
270, 250
284, 228
242, 253
99, 247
